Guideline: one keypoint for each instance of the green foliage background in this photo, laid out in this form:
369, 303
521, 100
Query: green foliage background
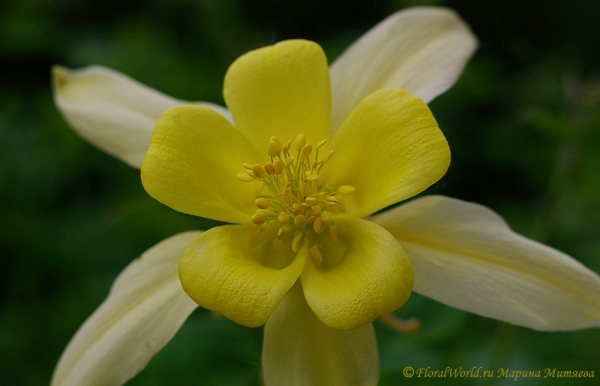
523, 124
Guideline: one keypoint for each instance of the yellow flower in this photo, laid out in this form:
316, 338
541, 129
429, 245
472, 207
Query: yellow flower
303, 198
386, 148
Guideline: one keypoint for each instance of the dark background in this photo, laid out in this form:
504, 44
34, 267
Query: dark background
523, 124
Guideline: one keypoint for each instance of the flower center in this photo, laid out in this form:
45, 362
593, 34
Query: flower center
291, 199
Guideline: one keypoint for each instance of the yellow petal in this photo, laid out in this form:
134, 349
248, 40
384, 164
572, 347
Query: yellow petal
299, 350
390, 148
422, 50
111, 110
363, 275
144, 309
221, 271
192, 165
281, 90
465, 255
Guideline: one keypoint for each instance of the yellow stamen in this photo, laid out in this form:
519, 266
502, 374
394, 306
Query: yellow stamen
346, 189
297, 243
265, 212
327, 156
300, 221
283, 217
299, 142
269, 168
312, 177
262, 203
319, 225
326, 216
333, 233
315, 254
307, 149
258, 218
258, 170
278, 143
244, 177
272, 149
316, 209
291, 189
278, 167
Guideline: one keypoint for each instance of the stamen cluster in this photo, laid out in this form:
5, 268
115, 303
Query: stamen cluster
291, 198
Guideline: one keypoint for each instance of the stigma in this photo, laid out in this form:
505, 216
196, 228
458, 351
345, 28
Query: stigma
292, 200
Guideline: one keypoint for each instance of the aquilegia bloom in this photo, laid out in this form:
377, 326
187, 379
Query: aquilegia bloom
305, 200
298, 163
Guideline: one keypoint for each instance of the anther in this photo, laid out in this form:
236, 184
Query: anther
269, 168
333, 233
315, 254
278, 143
265, 212
283, 217
299, 142
320, 144
327, 156
312, 177
278, 167
287, 146
258, 171
248, 166
315, 209
307, 149
289, 160
300, 221
262, 203
297, 243
326, 216
244, 177
319, 225
346, 189
258, 218
272, 149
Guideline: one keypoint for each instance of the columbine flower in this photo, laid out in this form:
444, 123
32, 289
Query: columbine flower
308, 266
304, 201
